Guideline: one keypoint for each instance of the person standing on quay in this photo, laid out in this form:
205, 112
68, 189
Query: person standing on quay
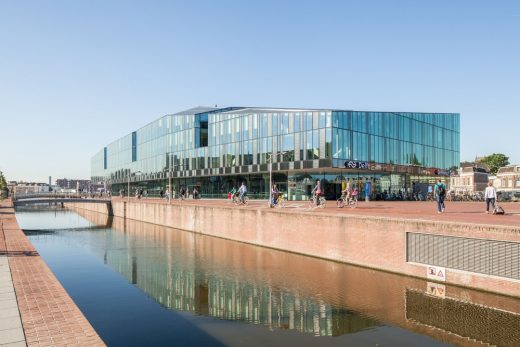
368, 190
440, 193
490, 194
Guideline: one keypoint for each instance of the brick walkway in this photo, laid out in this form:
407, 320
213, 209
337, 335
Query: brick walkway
461, 212
49, 316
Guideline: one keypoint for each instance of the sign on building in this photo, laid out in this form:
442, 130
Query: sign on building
436, 273
354, 164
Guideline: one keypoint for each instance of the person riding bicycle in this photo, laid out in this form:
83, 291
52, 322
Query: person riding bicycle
275, 193
355, 194
345, 193
243, 192
316, 192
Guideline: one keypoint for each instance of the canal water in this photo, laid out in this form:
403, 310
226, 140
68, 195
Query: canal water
145, 285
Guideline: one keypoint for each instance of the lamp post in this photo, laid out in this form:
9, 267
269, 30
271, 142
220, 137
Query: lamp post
271, 174
128, 192
169, 186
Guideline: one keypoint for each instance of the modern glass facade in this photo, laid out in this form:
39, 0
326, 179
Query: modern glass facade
216, 148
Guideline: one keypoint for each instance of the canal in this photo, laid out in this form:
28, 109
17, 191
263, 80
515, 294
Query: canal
146, 285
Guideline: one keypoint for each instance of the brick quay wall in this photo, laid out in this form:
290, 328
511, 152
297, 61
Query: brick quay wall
49, 316
378, 242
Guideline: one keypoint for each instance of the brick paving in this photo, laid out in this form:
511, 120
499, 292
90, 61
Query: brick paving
458, 212
49, 316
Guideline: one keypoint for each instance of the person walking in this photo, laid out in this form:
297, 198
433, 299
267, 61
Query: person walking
274, 194
368, 190
440, 192
490, 194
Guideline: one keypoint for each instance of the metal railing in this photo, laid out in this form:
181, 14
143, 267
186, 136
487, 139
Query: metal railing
56, 195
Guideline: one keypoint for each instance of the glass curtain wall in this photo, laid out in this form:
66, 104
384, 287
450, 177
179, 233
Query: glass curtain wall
419, 139
215, 149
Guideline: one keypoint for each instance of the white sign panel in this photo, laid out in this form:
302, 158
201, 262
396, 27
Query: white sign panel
436, 273
436, 289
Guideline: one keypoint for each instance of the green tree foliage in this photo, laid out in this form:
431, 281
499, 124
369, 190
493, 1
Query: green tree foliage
3, 185
495, 161
414, 160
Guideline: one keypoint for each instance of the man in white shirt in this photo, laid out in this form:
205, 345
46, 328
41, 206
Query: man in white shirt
243, 192
490, 194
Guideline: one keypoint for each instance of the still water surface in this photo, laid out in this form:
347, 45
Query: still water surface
144, 285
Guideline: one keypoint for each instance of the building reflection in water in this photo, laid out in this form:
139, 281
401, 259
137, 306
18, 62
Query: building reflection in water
234, 281
176, 279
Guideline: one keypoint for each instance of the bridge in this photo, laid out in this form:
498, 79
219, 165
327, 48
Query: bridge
78, 229
61, 199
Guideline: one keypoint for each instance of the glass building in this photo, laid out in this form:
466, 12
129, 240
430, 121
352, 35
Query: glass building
215, 149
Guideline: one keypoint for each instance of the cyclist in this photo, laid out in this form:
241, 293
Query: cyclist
355, 194
345, 193
316, 192
275, 193
243, 192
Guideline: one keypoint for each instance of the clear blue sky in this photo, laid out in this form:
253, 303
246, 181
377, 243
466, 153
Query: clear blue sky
75, 75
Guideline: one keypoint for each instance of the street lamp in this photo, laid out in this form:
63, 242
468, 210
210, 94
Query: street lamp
270, 158
170, 186
129, 175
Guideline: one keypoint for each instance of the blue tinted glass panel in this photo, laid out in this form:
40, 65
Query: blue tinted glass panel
105, 161
134, 146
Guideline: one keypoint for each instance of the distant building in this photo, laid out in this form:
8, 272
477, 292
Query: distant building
75, 184
28, 187
470, 179
507, 179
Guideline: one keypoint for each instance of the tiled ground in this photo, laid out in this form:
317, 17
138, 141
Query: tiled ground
48, 315
463, 212
11, 331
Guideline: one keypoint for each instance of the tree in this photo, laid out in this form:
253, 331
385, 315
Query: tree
414, 160
3, 185
495, 161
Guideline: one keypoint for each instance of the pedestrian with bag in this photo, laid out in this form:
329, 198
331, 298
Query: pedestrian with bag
440, 194
490, 194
